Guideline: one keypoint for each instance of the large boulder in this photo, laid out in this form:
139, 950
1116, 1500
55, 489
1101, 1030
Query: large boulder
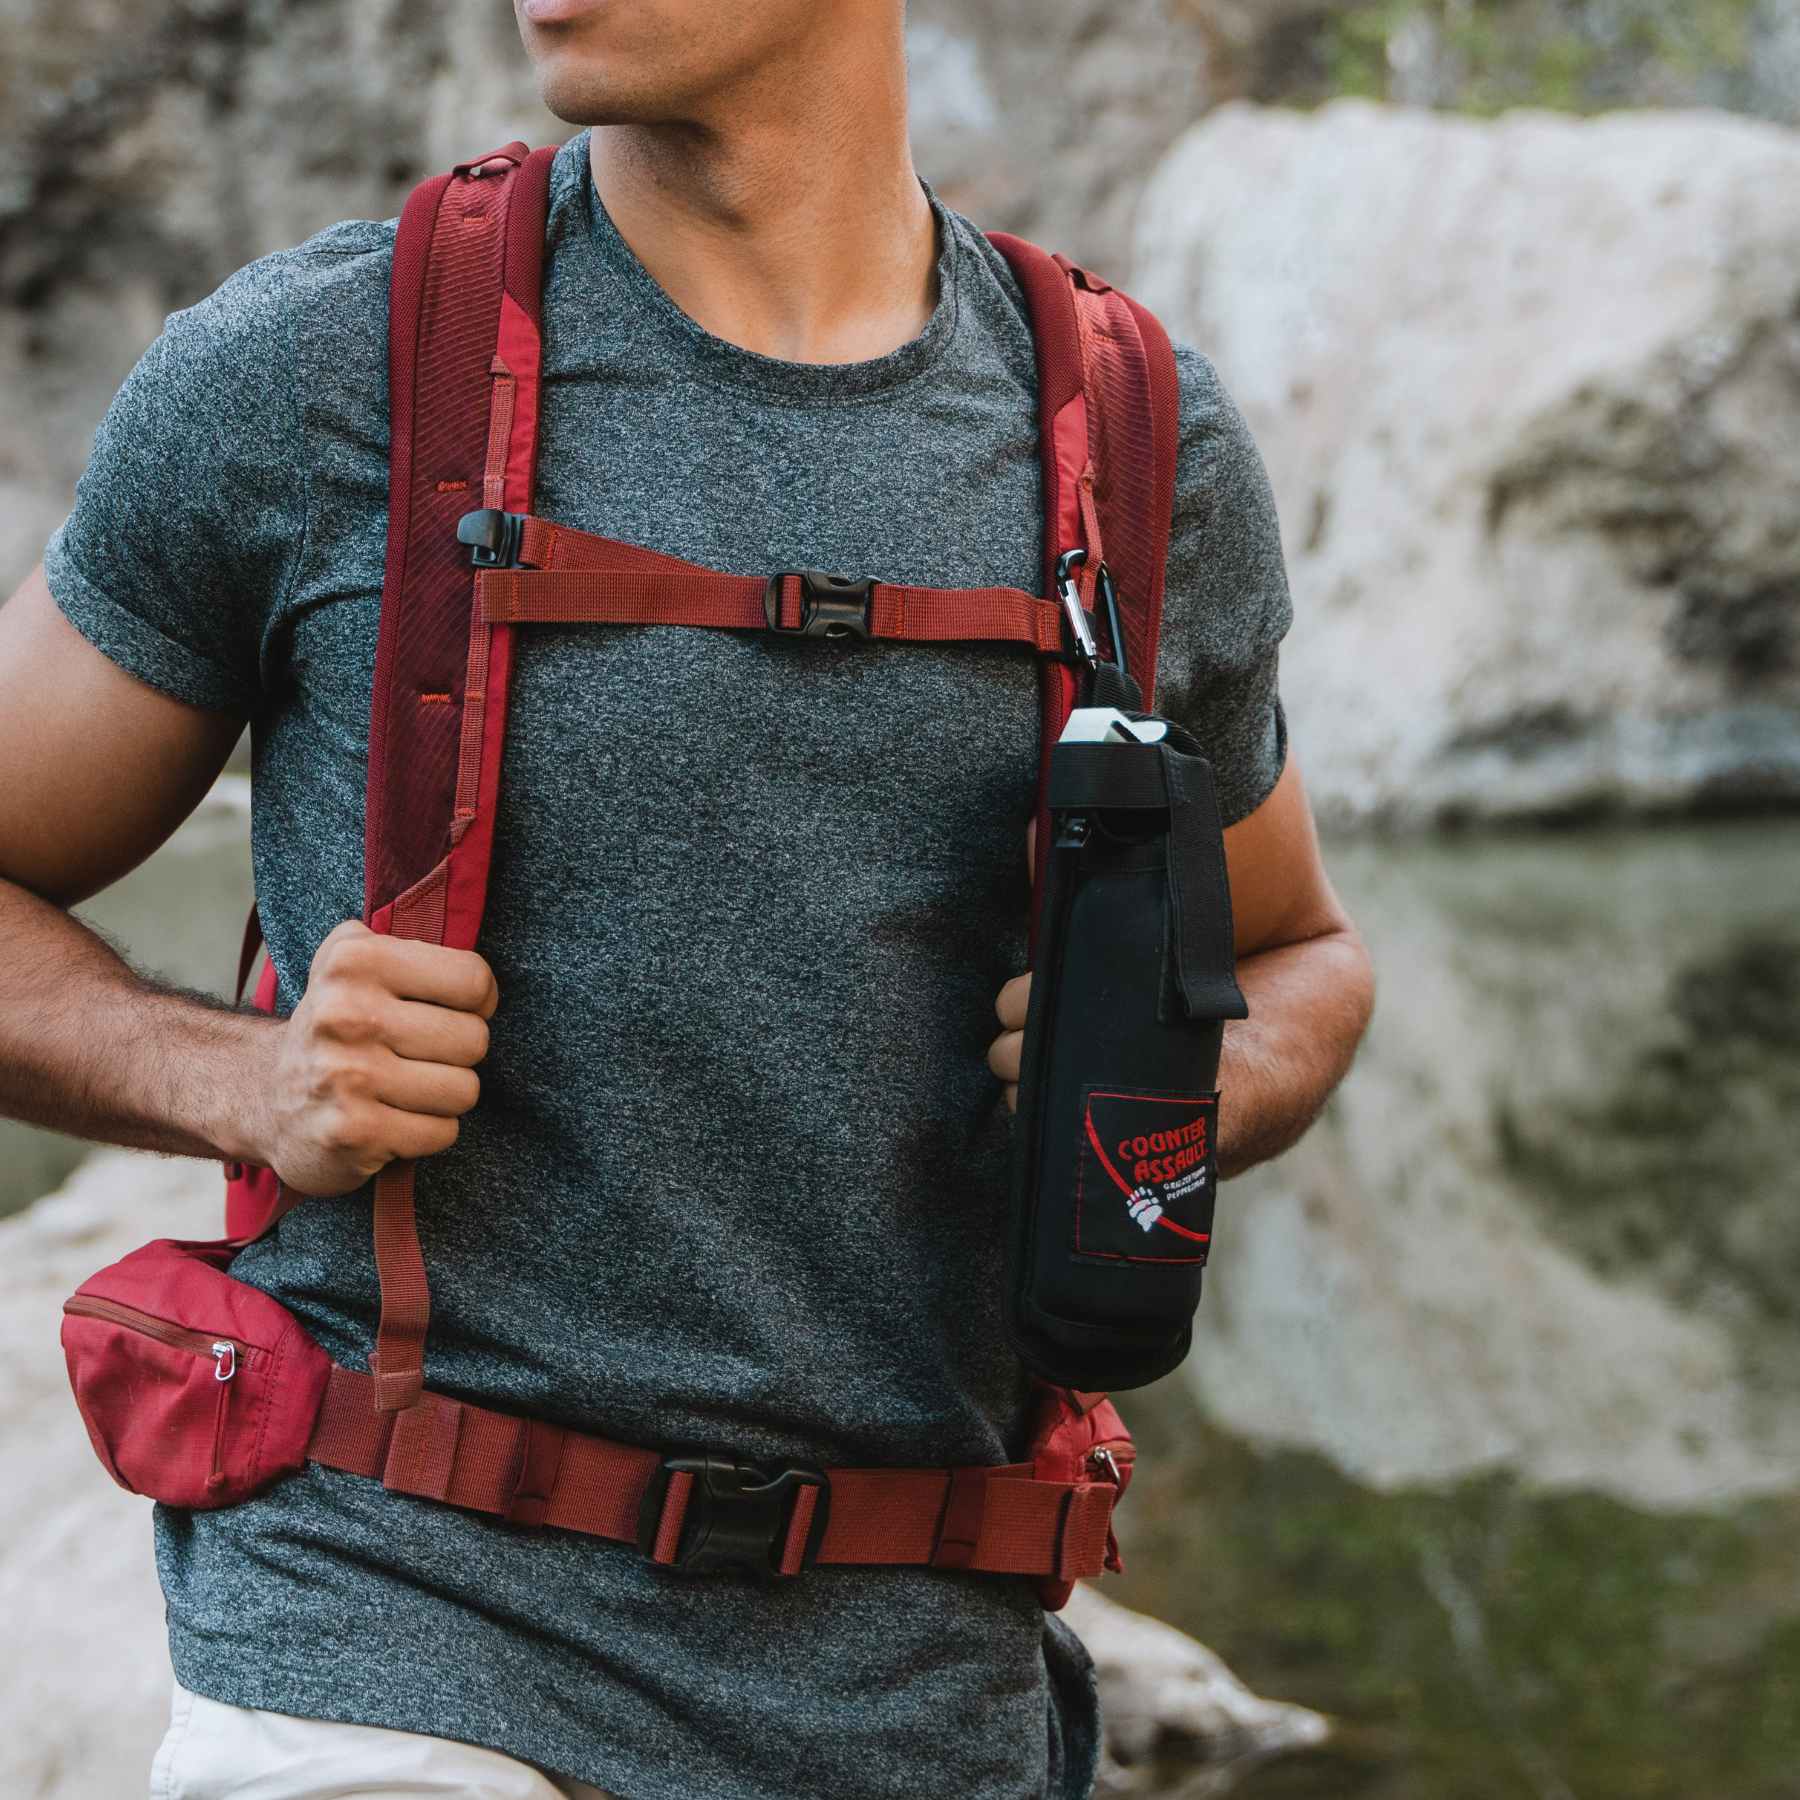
1171, 1706
1529, 392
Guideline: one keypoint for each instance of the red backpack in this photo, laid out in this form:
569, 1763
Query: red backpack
201, 1391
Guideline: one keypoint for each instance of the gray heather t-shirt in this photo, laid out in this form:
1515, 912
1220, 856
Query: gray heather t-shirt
738, 1173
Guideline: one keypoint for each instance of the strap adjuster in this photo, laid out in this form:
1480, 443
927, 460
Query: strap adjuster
732, 1515
493, 537
830, 605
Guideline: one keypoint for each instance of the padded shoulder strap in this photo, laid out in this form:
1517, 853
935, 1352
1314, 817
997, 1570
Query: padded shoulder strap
464, 350
1108, 408
1108, 424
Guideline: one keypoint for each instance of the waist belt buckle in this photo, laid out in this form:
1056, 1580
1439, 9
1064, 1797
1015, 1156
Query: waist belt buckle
830, 605
737, 1516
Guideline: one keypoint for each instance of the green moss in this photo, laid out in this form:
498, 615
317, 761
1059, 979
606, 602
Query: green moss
1572, 55
1472, 1639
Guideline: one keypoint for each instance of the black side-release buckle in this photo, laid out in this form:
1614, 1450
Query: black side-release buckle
737, 1514
493, 537
830, 605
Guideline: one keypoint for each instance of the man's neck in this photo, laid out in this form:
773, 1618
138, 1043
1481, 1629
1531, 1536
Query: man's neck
792, 223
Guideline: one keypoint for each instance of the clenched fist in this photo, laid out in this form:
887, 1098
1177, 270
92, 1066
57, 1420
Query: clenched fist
377, 1061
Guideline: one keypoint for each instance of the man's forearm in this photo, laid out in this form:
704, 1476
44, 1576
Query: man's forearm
1309, 1004
91, 1048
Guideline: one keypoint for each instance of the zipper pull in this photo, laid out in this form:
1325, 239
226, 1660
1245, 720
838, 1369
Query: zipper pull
224, 1367
1103, 1461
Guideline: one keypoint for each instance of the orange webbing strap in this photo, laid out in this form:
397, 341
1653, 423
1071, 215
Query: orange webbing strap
572, 577
991, 1520
532, 597
399, 1260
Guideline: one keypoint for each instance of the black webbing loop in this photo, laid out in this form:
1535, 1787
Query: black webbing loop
1200, 928
1156, 777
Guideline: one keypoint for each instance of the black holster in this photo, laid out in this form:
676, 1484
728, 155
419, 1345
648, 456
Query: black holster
1114, 1168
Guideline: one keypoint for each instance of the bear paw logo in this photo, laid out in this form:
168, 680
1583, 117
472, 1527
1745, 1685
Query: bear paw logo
1144, 1208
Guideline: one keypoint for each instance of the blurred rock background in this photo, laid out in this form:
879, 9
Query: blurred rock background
1488, 1446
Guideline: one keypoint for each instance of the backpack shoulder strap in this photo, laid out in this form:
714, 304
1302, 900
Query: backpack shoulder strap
464, 351
1108, 425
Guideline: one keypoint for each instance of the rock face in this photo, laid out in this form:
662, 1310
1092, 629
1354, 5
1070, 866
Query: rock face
150, 149
1168, 1700
1548, 1226
1529, 393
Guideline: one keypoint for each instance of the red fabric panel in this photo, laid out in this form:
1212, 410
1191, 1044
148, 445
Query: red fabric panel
518, 347
1165, 411
1069, 452
412, 246
443, 327
1129, 378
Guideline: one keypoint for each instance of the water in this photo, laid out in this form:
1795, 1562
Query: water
1488, 1446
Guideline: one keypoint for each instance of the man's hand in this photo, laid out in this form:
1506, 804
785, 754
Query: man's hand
1004, 1052
377, 1062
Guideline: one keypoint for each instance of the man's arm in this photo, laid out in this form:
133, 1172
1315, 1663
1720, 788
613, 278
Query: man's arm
1305, 972
1302, 967
96, 770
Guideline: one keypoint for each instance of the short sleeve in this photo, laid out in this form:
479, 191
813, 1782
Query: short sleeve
1226, 605
190, 517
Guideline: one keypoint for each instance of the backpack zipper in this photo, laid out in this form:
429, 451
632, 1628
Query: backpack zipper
177, 1337
226, 1353
1105, 1459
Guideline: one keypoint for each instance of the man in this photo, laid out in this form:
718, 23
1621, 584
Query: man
737, 1170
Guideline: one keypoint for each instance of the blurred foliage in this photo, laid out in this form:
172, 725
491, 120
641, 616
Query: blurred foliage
1481, 56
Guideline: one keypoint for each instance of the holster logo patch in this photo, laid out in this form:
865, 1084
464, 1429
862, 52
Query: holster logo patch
1145, 1175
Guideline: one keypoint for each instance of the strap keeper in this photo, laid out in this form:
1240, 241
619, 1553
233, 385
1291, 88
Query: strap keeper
421, 1454
959, 1524
400, 1391
1085, 1532
541, 1448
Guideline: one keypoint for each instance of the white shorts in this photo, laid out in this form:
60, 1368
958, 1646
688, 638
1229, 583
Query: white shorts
217, 1752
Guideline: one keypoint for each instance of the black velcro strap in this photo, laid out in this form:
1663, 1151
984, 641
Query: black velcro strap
1200, 928
1127, 776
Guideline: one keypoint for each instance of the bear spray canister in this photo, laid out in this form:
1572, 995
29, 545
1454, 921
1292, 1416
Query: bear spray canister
1114, 1154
